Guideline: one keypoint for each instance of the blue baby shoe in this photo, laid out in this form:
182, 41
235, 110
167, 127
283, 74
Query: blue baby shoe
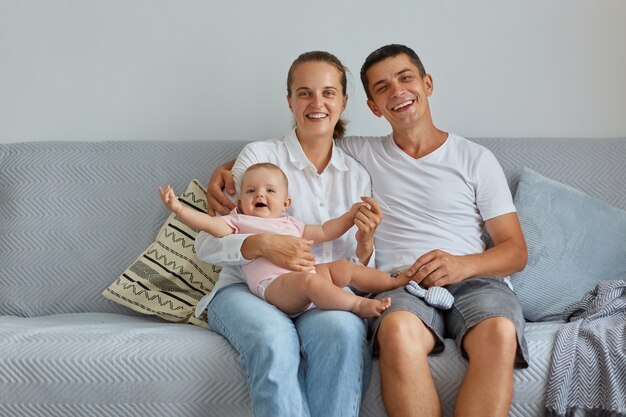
437, 297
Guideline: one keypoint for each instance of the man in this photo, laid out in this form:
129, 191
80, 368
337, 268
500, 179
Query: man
438, 193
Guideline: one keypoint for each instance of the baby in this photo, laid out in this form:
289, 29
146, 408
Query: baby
264, 197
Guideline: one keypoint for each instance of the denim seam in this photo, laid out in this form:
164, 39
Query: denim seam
357, 402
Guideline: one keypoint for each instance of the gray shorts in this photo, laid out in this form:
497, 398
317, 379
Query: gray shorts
475, 299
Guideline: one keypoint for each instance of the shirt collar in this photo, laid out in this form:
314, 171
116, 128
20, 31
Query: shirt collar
299, 159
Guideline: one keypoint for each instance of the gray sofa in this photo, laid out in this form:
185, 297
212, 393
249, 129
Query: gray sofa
73, 216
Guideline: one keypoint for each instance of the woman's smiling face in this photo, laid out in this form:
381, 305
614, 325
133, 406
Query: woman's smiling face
317, 99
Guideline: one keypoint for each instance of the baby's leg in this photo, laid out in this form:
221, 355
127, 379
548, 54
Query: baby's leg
361, 277
295, 291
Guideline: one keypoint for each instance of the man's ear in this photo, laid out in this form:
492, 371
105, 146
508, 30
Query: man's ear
374, 108
428, 83
289, 103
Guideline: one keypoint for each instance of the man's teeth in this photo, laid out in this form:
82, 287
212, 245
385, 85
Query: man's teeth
317, 116
401, 105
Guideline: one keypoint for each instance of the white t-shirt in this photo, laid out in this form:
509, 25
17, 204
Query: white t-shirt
315, 199
439, 201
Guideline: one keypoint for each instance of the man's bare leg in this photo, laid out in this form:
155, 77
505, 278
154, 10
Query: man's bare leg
407, 386
487, 389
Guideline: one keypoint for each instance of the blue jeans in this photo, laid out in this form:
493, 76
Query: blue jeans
317, 364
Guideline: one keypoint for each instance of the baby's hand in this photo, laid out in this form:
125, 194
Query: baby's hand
403, 278
356, 207
170, 200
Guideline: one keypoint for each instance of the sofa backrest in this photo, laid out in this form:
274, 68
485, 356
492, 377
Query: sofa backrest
74, 215
595, 166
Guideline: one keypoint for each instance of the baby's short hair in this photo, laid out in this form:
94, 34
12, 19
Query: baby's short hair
267, 165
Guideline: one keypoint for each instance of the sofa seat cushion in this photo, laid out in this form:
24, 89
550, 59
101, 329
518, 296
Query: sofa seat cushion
107, 364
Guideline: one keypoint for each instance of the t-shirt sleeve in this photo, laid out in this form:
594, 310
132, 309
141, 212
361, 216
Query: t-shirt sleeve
299, 225
350, 145
493, 196
232, 219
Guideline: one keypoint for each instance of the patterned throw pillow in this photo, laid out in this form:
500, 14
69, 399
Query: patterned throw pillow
168, 279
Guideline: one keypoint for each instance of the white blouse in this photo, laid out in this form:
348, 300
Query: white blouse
315, 199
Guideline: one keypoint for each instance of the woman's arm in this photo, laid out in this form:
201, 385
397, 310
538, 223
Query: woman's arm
289, 252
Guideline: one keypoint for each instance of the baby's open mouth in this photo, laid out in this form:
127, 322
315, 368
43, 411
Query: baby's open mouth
260, 205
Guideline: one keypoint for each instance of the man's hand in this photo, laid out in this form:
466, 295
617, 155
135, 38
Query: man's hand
221, 180
286, 251
438, 268
367, 220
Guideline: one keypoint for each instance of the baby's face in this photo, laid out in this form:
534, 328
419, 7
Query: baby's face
263, 193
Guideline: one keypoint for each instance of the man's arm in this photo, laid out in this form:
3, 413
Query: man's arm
221, 180
508, 255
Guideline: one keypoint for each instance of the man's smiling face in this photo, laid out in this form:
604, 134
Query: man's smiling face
399, 92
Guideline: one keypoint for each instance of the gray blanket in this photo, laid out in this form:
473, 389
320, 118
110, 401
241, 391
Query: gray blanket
588, 366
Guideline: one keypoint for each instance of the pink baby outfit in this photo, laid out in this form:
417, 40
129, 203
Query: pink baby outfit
260, 269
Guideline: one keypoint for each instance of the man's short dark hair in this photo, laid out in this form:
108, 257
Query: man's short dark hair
385, 52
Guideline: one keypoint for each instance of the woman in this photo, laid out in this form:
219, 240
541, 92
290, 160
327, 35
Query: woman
317, 363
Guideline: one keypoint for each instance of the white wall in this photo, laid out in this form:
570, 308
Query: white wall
164, 69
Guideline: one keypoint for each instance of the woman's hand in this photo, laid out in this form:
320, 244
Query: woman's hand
221, 179
289, 252
367, 220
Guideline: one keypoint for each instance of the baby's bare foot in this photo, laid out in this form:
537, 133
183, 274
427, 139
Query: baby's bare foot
366, 307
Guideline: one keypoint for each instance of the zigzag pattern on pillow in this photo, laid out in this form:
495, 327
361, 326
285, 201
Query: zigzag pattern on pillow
167, 280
